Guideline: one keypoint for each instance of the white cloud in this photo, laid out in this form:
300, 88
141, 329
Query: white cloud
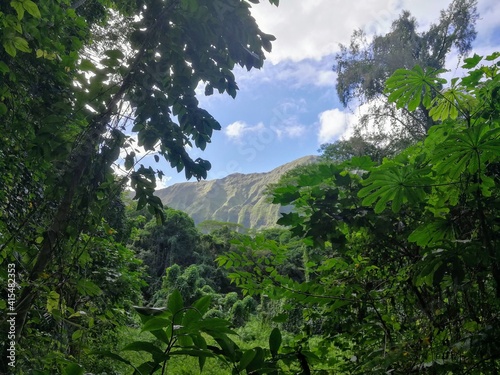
339, 124
286, 128
295, 74
489, 13
290, 107
334, 124
285, 122
305, 73
238, 129
314, 28
293, 131
163, 182
326, 78
308, 33
289, 130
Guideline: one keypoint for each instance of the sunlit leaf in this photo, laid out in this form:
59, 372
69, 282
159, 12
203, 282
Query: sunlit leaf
31, 8
53, 299
412, 87
396, 183
77, 334
471, 62
18, 6
155, 324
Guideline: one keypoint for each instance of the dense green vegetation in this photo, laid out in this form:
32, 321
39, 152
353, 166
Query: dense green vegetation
388, 263
405, 275
76, 78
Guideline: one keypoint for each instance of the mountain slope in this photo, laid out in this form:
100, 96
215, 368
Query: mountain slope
237, 198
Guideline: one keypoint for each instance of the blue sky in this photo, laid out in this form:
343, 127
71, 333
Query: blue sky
287, 109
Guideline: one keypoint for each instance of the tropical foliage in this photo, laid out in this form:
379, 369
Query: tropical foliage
408, 278
184, 331
83, 84
388, 262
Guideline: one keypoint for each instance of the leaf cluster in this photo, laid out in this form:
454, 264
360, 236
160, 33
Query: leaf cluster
402, 260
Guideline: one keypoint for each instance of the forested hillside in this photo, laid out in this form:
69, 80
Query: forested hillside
237, 198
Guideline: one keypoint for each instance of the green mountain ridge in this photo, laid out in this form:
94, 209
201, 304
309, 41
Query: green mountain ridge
237, 198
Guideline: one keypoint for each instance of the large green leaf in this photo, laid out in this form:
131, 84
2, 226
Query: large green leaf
412, 87
3, 109
116, 357
196, 312
88, 288
18, 6
73, 369
246, 358
396, 183
471, 62
275, 341
450, 103
200, 343
203, 304
21, 44
193, 353
467, 150
150, 311
144, 346
53, 300
430, 234
175, 303
156, 324
31, 8
257, 362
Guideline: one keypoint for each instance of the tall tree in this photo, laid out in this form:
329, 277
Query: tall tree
176, 241
363, 66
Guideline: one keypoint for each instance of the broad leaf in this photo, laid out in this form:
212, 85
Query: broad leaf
467, 150
88, 288
32, 8
471, 62
156, 324
432, 233
394, 182
449, 103
412, 87
275, 341
138, 346
73, 369
246, 358
53, 299
175, 303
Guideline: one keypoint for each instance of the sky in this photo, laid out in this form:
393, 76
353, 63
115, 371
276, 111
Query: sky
289, 108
